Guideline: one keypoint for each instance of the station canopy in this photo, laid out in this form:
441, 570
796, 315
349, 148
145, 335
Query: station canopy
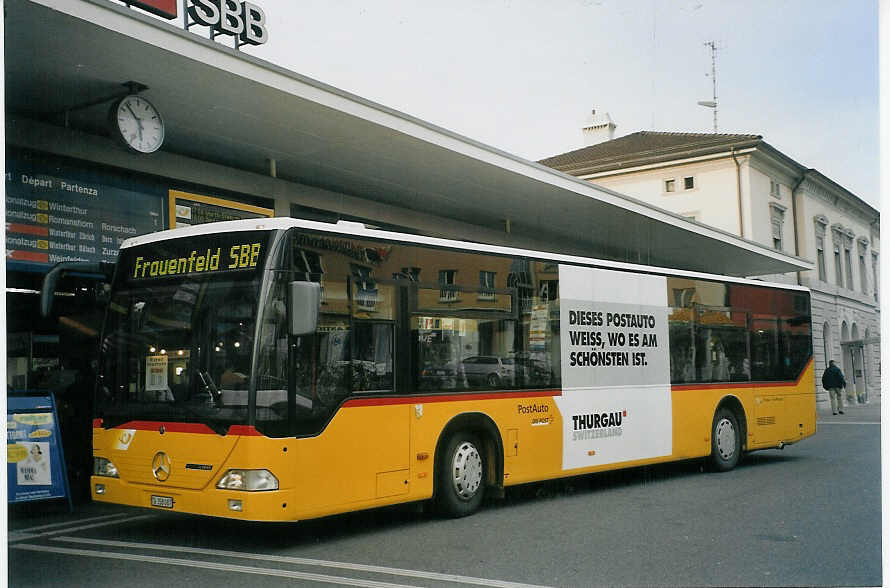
230, 108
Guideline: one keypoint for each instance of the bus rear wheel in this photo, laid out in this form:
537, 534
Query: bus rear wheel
460, 481
726, 440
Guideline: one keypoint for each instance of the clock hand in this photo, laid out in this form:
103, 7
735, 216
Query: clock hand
138, 120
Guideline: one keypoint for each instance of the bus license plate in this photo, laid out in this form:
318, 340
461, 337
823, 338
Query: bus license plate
162, 501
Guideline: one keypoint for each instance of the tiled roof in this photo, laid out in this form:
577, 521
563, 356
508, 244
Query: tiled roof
646, 147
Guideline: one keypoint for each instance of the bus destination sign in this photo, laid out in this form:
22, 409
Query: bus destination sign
195, 256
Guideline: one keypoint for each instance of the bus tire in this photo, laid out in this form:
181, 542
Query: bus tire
726, 440
460, 480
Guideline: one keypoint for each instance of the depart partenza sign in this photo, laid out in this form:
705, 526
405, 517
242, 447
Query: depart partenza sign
244, 20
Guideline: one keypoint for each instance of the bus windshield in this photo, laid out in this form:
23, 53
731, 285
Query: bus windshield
178, 345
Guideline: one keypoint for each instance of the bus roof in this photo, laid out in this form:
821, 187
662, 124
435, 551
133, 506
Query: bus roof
359, 230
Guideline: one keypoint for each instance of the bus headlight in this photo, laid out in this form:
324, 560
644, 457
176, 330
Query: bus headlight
104, 467
249, 480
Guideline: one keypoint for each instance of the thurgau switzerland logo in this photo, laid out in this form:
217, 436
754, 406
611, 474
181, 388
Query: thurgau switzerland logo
161, 466
597, 425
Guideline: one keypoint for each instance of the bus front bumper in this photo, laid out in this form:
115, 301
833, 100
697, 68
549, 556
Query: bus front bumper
272, 505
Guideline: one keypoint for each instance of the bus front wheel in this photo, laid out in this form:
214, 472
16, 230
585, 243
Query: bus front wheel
726, 440
460, 482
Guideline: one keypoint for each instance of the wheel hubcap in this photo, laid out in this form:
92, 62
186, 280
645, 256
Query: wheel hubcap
724, 433
466, 468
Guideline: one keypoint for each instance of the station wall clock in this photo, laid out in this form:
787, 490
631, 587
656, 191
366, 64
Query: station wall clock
137, 123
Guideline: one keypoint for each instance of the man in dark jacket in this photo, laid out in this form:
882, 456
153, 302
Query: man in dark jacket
833, 381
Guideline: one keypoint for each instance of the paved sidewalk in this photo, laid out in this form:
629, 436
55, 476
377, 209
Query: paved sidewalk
870, 412
30, 515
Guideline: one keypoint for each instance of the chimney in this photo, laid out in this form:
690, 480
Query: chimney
598, 128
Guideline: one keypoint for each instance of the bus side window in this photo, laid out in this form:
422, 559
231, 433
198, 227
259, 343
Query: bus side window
765, 360
372, 366
490, 323
272, 349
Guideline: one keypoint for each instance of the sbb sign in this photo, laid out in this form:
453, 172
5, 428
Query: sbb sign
241, 19
244, 20
165, 8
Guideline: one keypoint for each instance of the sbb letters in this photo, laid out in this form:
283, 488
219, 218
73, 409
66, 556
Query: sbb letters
242, 19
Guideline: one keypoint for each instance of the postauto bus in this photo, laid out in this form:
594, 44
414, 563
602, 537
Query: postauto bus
280, 369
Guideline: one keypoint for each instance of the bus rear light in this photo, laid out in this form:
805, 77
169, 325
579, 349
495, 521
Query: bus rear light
104, 467
248, 480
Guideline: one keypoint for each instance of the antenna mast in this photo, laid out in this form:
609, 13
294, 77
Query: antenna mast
713, 46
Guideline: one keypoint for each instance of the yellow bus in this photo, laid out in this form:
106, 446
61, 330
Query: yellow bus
280, 369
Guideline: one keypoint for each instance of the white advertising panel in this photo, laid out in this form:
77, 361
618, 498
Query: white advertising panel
35, 469
156, 372
616, 401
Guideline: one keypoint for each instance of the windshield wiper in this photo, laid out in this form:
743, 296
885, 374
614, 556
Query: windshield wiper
211, 388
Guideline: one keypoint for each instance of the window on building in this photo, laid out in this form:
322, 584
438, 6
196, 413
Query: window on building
520, 278
838, 268
364, 287
774, 189
874, 273
848, 265
548, 289
820, 225
486, 285
688, 183
408, 273
669, 185
777, 221
777, 235
863, 273
447, 289
683, 297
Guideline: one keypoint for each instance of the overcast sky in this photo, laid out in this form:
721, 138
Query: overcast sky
522, 75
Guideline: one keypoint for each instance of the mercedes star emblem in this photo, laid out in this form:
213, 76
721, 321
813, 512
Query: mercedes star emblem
161, 466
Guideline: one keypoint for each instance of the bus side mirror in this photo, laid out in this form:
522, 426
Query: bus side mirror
99, 271
303, 301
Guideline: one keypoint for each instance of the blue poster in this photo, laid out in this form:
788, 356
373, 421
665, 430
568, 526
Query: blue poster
35, 462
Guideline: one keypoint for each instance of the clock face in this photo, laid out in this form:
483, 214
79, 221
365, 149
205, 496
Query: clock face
139, 124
